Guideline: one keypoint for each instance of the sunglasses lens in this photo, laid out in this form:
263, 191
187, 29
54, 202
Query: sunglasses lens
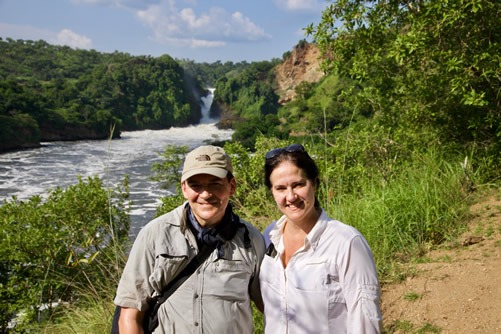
294, 148
289, 149
273, 153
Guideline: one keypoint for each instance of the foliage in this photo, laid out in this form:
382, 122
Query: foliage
80, 94
251, 201
421, 63
251, 97
207, 74
323, 107
49, 246
168, 172
21, 129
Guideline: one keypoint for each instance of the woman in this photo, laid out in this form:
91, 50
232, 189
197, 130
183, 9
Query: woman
318, 275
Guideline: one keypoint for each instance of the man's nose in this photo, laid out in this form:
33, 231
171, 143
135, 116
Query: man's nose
205, 192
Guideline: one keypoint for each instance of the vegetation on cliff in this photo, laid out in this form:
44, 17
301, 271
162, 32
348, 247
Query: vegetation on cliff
57, 93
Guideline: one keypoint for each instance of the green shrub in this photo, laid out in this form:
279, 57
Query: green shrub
51, 246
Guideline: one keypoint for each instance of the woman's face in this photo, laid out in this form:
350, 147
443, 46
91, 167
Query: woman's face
293, 192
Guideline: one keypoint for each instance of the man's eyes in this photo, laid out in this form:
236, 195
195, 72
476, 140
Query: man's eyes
209, 186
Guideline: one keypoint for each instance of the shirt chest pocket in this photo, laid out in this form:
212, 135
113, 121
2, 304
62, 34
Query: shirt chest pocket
317, 275
311, 275
168, 264
229, 279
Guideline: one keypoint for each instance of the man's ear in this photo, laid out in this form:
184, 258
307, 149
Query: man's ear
183, 189
233, 186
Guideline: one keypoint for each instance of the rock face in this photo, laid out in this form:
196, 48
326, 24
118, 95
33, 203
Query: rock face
302, 65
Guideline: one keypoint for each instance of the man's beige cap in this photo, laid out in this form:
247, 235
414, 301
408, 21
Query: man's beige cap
208, 159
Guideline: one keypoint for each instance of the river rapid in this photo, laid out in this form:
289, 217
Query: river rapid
59, 164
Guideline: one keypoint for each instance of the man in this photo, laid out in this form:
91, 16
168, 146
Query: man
216, 297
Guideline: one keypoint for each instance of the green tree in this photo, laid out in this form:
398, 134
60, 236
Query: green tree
167, 171
80, 94
421, 63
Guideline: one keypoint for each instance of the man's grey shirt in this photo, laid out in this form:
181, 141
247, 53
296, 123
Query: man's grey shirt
215, 299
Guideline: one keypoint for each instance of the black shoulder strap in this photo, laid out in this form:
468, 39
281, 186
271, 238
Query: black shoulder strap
185, 273
151, 317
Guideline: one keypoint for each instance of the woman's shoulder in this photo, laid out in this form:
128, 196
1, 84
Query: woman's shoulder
340, 229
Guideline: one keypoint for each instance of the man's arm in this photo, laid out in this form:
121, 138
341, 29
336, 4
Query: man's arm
259, 248
130, 321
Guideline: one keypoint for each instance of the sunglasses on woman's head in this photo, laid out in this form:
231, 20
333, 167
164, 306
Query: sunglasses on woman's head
289, 149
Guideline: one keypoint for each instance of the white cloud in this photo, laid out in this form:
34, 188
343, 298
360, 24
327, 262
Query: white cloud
214, 28
301, 5
64, 37
247, 27
198, 43
188, 16
72, 39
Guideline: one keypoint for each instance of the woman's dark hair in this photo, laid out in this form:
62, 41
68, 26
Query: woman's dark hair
296, 154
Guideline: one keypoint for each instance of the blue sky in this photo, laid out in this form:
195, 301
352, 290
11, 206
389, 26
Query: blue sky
200, 30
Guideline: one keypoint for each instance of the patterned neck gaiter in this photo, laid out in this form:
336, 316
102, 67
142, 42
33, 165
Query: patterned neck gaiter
215, 237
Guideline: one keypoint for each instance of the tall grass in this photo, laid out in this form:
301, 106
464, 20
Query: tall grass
421, 206
93, 308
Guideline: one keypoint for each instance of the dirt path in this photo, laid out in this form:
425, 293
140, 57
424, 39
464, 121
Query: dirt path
457, 288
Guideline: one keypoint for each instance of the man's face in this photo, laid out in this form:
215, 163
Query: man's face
208, 197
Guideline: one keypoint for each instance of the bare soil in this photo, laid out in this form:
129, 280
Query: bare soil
302, 65
455, 288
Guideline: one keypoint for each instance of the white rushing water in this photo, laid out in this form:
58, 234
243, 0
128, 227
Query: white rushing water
205, 109
59, 164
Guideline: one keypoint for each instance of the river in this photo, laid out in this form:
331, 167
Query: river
59, 164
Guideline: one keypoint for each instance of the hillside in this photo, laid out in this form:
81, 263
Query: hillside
303, 64
51, 93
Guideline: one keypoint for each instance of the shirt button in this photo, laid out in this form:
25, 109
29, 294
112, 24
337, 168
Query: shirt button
196, 323
196, 295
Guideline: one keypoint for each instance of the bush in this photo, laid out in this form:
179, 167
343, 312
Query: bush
50, 247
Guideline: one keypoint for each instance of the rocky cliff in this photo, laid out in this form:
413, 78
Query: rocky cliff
303, 64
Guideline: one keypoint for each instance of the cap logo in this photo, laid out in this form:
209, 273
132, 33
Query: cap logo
209, 159
203, 157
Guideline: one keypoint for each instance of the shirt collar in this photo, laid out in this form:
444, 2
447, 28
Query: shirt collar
310, 240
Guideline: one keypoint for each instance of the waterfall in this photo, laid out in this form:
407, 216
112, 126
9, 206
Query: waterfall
205, 107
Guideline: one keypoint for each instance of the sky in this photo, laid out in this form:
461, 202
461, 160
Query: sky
199, 30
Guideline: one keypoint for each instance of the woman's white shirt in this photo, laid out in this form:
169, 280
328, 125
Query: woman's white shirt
330, 285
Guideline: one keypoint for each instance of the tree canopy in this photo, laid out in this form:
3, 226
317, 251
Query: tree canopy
420, 63
58, 93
